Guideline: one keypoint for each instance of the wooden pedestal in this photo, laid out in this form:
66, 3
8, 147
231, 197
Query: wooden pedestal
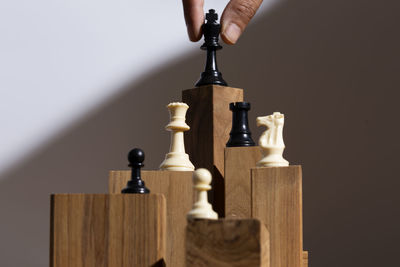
96, 230
273, 195
227, 243
149, 230
177, 187
238, 162
210, 122
277, 201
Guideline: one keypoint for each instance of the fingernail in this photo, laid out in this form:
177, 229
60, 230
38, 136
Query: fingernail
232, 32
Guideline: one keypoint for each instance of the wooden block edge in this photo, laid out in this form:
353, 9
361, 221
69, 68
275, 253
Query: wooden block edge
210, 86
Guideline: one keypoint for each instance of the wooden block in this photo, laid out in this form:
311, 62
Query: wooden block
277, 201
107, 230
238, 162
238, 188
210, 122
305, 258
177, 187
227, 243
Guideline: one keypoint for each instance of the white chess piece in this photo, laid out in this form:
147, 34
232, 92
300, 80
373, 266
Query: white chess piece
177, 159
271, 141
202, 209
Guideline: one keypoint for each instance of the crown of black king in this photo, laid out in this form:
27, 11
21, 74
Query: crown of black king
211, 30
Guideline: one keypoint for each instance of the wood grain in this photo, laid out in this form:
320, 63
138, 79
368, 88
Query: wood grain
210, 122
177, 187
305, 258
277, 201
238, 192
238, 162
107, 230
227, 243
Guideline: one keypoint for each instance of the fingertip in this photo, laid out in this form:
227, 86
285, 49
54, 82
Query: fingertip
231, 33
194, 18
194, 35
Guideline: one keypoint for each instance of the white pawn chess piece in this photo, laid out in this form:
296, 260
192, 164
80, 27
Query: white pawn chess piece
202, 209
271, 141
177, 159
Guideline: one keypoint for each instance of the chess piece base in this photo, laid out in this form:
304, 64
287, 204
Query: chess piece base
240, 140
134, 188
273, 158
175, 161
211, 77
202, 211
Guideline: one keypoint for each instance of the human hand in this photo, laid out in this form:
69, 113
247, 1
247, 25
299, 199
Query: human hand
234, 19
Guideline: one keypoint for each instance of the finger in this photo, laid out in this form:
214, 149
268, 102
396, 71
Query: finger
194, 17
235, 18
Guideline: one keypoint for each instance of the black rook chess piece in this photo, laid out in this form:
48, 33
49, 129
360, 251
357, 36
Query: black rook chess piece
240, 134
211, 30
135, 184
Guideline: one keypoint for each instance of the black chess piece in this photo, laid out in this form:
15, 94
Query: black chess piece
240, 134
211, 31
135, 184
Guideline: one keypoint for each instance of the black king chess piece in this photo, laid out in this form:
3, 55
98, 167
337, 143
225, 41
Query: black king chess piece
211, 31
135, 184
240, 134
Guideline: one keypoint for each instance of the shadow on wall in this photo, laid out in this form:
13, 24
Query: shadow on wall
330, 66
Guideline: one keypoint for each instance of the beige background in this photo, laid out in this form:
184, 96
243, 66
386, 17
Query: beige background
332, 67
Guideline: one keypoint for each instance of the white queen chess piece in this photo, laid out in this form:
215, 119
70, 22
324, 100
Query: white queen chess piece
201, 184
177, 159
271, 141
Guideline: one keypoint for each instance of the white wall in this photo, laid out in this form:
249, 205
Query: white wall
59, 59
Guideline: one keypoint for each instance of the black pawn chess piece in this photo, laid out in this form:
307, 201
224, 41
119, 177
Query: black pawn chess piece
135, 184
211, 31
240, 134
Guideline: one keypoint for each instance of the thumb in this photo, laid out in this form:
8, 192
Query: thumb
235, 18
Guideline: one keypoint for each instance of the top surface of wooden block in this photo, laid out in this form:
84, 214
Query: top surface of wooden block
211, 87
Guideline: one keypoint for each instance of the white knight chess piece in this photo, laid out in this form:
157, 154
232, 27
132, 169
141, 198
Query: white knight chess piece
271, 141
177, 159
